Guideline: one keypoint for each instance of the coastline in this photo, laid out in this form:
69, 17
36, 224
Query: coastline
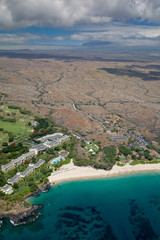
21, 215
71, 172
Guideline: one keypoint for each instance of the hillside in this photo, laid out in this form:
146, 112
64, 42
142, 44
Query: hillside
98, 86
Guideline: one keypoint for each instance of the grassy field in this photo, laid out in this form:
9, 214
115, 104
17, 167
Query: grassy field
20, 127
11, 111
3, 137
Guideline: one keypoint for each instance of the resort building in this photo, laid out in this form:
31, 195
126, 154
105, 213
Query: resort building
7, 189
48, 141
37, 148
18, 161
78, 136
29, 154
7, 166
64, 138
51, 137
39, 163
118, 138
50, 144
29, 170
34, 123
63, 154
26, 172
14, 179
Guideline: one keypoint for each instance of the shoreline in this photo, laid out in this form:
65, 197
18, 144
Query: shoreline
70, 172
23, 215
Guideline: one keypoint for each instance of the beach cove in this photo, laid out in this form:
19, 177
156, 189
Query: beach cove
123, 207
71, 172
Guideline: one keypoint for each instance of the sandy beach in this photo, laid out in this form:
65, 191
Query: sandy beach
71, 172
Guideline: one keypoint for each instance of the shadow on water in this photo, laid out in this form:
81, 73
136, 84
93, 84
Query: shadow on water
77, 223
141, 226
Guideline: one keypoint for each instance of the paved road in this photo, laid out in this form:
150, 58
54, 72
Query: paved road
90, 116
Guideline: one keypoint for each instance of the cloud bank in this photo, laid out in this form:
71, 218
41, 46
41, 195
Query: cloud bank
16, 14
116, 33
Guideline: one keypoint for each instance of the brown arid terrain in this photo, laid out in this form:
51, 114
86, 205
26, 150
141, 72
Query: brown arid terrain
82, 94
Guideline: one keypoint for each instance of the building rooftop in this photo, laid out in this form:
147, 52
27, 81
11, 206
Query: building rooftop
51, 143
64, 137
77, 135
118, 138
34, 123
5, 187
39, 163
28, 154
28, 170
17, 160
63, 153
53, 136
8, 165
38, 147
14, 179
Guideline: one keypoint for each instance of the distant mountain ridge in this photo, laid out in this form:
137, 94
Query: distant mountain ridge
97, 43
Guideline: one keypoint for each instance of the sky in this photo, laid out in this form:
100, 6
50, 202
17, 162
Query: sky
37, 24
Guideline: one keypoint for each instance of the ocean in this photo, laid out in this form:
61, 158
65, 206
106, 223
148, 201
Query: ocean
122, 208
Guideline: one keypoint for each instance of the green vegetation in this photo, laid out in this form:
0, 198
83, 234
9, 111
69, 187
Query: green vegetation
91, 146
62, 162
45, 126
124, 150
2, 179
120, 164
109, 156
31, 183
19, 127
14, 107
135, 162
13, 123
24, 111
147, 155
114, 130
11, 152
82, 162
153, 147
16, 125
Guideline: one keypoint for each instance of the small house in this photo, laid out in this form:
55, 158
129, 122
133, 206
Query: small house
7, 189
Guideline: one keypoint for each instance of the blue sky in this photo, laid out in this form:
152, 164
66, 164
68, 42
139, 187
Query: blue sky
33, 23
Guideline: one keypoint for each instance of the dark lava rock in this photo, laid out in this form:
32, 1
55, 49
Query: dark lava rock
46, 187
24, 217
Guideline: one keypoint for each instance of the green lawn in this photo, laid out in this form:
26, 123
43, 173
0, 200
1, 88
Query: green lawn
20, 127
3, 138
8, 110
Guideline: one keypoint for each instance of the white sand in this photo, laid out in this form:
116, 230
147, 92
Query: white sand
71, 172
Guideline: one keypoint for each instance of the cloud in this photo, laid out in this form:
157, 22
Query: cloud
16, 14
120, 34
117, 33
17, 38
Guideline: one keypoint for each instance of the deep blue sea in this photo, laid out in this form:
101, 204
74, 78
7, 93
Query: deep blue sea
125, 207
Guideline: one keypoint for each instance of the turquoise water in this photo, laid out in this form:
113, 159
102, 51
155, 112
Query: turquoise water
115, 208
57, 160
10, 191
